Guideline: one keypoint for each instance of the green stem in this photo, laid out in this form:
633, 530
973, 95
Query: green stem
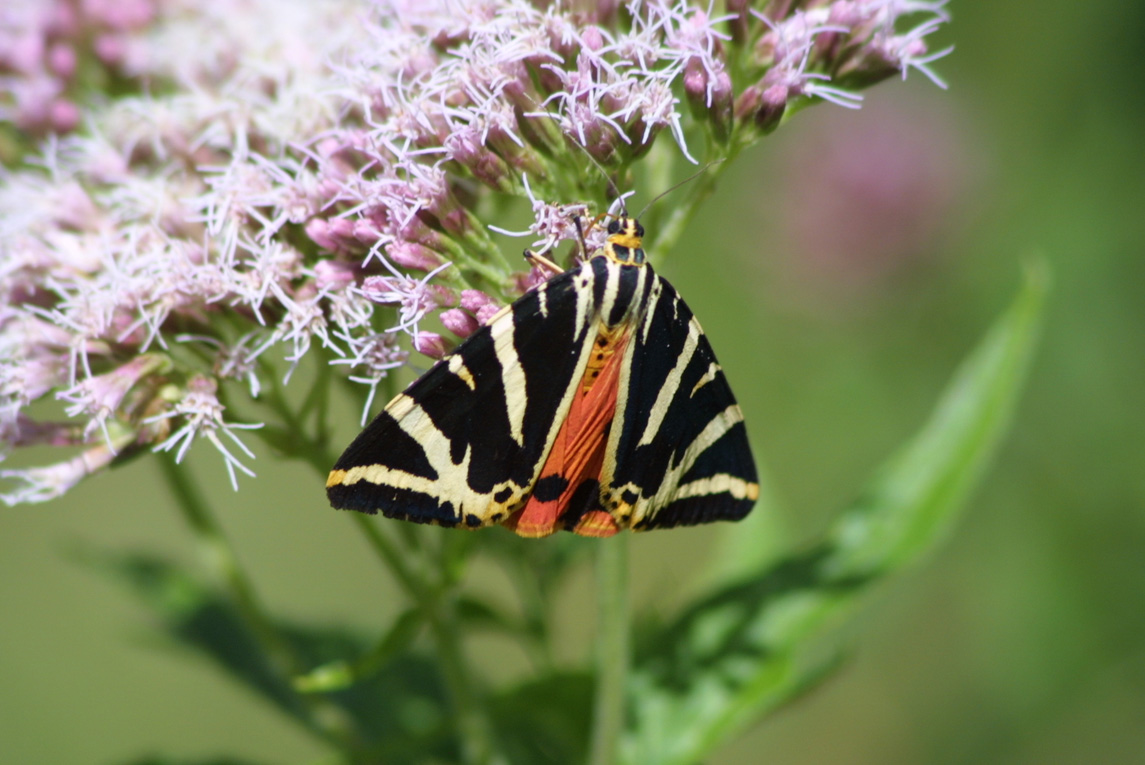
437, 606
326, 719
534, 611
472, 724
612, 649
388, 552
220, 557
433, 597
315, 452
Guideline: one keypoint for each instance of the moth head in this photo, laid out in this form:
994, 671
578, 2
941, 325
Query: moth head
624, 241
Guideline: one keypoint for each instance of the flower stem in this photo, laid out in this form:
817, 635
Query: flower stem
612, 649
437, 605
325, 719
434, 597
389, 554
472, 725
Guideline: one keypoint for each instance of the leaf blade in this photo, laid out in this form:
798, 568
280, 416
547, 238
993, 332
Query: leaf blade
749, 647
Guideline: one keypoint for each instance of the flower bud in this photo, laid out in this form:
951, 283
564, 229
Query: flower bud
61, 21
412, 255
485, 313
75, 210
333, 275
341, 228
696, 86
319, 232
709, 97
459, 322
431, 344
592, 39
722, 105
474, 300
749, 102
62, 60
22, 54
464, 147
773, 105
442, 295
366, 232
110, 49
63, 116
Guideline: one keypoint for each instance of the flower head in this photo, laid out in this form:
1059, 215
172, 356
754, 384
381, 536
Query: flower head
272, 182
201, 414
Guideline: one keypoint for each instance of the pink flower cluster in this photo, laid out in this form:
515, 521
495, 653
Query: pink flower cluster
315, 177
47, 45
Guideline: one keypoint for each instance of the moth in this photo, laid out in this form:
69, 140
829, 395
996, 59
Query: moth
592, 404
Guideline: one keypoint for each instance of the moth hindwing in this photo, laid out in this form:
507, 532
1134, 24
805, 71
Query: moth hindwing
592, 404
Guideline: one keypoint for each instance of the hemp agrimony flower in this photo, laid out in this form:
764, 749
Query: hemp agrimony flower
283, 181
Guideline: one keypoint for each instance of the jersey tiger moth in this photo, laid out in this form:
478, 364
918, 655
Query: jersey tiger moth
591, 404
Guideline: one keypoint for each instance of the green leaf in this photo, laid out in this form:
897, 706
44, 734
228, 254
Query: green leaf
400, 709
341, 674
749, 647
193, 615
164, 760
913, 500
477, 614
544, 721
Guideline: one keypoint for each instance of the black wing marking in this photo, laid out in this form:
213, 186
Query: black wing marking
465, 442
678, 450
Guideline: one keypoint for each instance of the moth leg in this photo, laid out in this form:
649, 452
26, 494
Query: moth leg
538, 260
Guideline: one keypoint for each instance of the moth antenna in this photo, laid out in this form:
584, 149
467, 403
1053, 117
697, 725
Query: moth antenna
580, 236
689, 179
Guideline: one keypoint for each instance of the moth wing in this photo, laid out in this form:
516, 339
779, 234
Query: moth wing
464, 443
679, 449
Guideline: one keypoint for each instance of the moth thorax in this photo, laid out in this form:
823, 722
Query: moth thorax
624, 240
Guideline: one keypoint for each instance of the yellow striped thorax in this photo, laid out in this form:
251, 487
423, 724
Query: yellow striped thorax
624, 239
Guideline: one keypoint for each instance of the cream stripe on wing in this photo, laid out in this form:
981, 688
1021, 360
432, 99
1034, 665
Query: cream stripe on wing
720, 483
584, 293
670, 385
713, 370
512, 376
655, 293
458, 368
636, 312
716, 428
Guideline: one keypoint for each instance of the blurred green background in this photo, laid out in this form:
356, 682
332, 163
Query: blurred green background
845, 266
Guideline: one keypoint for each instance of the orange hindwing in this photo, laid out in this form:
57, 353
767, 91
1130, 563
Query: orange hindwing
572, 471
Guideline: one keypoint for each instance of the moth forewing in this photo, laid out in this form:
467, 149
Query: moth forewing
605, 356
676, 424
